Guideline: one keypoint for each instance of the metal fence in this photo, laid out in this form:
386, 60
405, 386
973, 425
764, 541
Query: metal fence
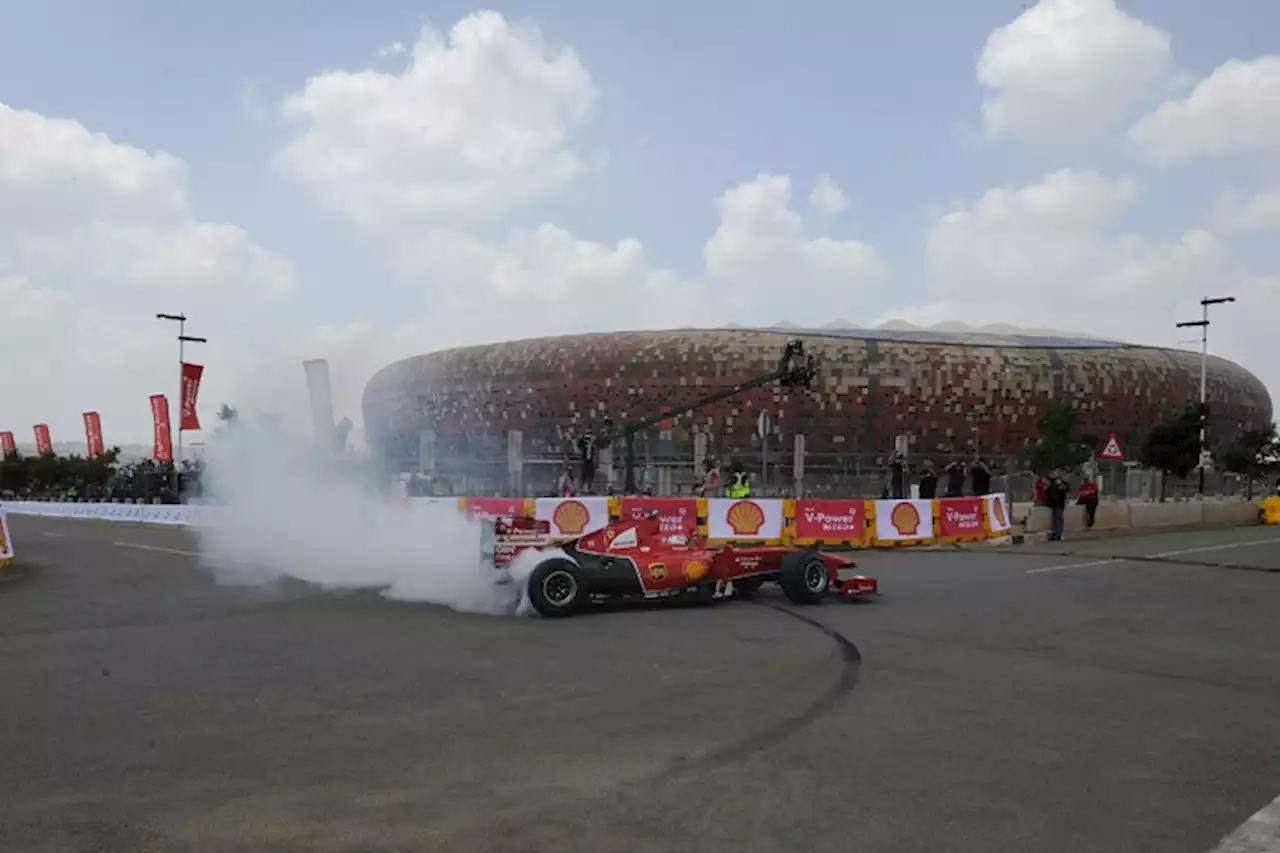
824, 475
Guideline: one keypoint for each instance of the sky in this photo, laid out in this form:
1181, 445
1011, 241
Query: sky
363, 182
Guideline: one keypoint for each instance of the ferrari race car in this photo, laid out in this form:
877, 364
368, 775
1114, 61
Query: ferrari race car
636, 560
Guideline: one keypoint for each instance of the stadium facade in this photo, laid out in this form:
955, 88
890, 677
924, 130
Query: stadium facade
946, 389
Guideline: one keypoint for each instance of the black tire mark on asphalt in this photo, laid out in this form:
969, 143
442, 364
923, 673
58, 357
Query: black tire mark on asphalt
787, 727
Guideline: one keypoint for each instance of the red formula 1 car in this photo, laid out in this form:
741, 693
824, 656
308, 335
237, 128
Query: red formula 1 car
634, 559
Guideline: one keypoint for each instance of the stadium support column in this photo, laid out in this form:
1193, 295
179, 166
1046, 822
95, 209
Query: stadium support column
515, 462
797, 466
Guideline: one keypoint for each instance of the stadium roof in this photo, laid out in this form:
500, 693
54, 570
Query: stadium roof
949, 333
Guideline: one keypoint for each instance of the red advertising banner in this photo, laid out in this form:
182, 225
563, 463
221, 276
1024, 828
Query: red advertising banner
93, 433
44, 444
678, 516
495, 506
832, 520
191, 374
163, 450
7, 445
960, 517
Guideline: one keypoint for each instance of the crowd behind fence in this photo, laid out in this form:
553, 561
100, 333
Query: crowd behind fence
850, 475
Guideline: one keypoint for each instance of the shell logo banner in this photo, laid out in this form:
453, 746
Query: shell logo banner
6, 544
677, 515
830, 520
573, 517
730, 518
904, 521
998, 512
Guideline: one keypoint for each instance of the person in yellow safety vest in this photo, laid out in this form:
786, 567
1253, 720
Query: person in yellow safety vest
739, 482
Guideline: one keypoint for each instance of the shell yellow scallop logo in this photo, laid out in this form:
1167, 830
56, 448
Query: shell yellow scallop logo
905, 519
745, 517
571, 517
694, 570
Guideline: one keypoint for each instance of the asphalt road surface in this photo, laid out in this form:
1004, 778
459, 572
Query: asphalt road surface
1044, 698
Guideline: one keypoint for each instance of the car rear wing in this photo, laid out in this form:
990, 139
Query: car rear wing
503, 537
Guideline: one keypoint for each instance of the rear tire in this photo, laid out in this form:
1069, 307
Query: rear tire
804, 577
556, 588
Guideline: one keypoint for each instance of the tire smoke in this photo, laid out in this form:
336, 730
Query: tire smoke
284, 513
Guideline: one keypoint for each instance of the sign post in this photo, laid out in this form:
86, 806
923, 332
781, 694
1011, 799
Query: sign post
1112, 452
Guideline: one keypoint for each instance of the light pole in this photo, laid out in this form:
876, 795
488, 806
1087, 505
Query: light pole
1203, 324
183, 340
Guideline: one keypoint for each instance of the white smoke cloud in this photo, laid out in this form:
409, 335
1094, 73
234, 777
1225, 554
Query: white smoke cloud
286, 514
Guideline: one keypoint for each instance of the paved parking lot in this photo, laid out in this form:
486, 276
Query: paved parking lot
1050, 698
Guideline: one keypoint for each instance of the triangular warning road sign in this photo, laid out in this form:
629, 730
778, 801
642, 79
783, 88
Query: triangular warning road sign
1111, 450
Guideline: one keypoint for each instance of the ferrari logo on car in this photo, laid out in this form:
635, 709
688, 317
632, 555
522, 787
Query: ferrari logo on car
658, 571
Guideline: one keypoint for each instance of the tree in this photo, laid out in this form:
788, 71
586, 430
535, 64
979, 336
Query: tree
1253, 452
1173, 446
1059, 446
227, 415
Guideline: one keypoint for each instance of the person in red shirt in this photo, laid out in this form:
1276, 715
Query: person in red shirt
1087, 497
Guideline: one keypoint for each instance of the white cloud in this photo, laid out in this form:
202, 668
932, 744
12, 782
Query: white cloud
95, 238
501, 108
1070, 70
759, 251
473, 126
1235, 110
547, 281
827, 198
1254, 215
1049, 254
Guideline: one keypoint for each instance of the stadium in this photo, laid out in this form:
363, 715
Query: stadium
951, 389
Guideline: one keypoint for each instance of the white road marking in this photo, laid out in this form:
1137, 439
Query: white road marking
1275, 540
141, 547
1041, 571
1258, 834
53, 535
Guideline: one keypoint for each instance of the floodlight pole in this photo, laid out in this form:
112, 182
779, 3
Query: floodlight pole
183, 339
1203, 323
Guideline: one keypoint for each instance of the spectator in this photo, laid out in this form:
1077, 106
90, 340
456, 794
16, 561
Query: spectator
1055, 495
980, 475
709, 487
928, 481
955, 474
1087, 497
564, 485
739, 481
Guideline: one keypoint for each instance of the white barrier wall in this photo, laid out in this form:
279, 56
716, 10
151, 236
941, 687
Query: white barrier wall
6, 544
171, 514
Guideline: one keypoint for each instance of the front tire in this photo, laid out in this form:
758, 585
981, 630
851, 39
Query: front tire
556, 588
804, 577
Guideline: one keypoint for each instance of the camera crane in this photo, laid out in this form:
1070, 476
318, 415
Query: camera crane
796, 369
